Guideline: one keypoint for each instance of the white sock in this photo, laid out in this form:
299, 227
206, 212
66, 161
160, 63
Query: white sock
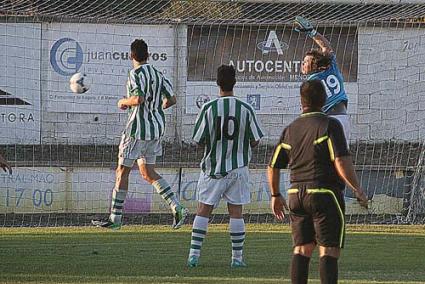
237, 235
164, 189
117, 205
199, 231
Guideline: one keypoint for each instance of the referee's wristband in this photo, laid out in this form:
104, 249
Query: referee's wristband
276, 195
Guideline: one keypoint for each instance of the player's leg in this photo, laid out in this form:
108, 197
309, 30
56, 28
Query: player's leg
303, 236
237, 234
146, 163
328, 264
330, 231
199, 232
236, 195
209, 191
128, 152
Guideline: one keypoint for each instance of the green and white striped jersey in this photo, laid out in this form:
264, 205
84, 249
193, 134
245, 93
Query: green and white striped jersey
226, 126
147, 121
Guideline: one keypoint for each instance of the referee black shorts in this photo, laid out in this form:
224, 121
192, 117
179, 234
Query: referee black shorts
317, 216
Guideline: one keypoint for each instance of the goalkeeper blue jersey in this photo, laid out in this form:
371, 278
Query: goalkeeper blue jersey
334, 84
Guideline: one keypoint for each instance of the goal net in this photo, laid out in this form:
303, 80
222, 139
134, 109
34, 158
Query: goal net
63, 146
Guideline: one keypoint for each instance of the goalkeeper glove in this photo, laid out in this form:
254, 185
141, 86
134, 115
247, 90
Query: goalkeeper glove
302, 25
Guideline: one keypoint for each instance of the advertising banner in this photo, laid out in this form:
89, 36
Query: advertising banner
20, 83
102, 52
267, 60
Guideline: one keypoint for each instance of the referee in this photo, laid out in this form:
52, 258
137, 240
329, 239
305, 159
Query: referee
314, 148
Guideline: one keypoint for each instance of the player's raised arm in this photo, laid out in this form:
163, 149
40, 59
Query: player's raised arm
303, 25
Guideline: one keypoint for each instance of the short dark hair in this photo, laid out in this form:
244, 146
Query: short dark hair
139, 50
313, 94
226, 77
320, 60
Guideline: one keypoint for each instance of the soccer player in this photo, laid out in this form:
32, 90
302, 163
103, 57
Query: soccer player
149, 92
4, 164
227, 127
321, 65
315, 149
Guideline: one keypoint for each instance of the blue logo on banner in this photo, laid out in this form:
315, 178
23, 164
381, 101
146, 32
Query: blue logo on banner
254, 100
66, 56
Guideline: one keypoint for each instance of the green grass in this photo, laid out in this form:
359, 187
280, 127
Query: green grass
157, 254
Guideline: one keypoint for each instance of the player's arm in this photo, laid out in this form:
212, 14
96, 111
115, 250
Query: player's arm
130, 102
168, 102
304, 25
169, 99
136, 95
342, 160
4, 164
279, 160
255, 132
200, 127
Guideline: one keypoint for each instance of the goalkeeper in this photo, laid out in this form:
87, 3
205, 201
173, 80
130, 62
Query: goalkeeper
320, 64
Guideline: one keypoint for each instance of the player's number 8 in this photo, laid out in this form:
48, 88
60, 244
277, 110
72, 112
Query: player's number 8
332, 85
225, 129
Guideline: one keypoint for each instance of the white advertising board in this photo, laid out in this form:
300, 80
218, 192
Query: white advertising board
102, 52
20, 83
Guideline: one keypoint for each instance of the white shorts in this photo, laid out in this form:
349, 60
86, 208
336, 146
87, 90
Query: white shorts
344, 119
234, 188
144, 151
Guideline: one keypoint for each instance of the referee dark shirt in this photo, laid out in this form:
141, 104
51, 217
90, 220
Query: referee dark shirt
309, 146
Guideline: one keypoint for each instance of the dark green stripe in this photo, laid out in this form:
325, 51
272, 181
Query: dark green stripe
238, 241
237, 234
213, 138
168, 196
116, 213
195, 247
237, 248
116, 200
197, 239
224, 140
198, 231
164, 190
198, 123
118, 206
142, 123
206, 134
164, 89
133, 125
236, 140
246, 146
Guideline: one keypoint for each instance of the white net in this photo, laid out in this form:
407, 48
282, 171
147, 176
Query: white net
63, 146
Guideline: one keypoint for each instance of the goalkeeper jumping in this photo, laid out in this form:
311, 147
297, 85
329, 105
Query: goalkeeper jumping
320, 64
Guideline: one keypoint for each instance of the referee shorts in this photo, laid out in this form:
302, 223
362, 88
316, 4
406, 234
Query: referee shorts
317, 216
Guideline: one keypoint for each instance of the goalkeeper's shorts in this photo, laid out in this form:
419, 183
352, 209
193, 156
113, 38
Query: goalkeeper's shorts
142, 151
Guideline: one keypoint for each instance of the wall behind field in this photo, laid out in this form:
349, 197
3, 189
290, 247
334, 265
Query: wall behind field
384, 68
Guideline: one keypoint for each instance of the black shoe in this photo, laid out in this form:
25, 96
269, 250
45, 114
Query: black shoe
106, 224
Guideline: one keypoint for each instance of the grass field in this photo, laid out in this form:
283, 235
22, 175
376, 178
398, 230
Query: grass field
157, 254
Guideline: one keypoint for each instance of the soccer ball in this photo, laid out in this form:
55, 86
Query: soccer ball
78, 83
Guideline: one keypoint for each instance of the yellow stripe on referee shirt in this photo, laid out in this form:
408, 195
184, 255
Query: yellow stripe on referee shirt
277, 152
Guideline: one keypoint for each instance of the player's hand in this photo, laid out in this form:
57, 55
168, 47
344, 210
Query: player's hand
302, 25
5, 165
361, 198
121, 105
278, 205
